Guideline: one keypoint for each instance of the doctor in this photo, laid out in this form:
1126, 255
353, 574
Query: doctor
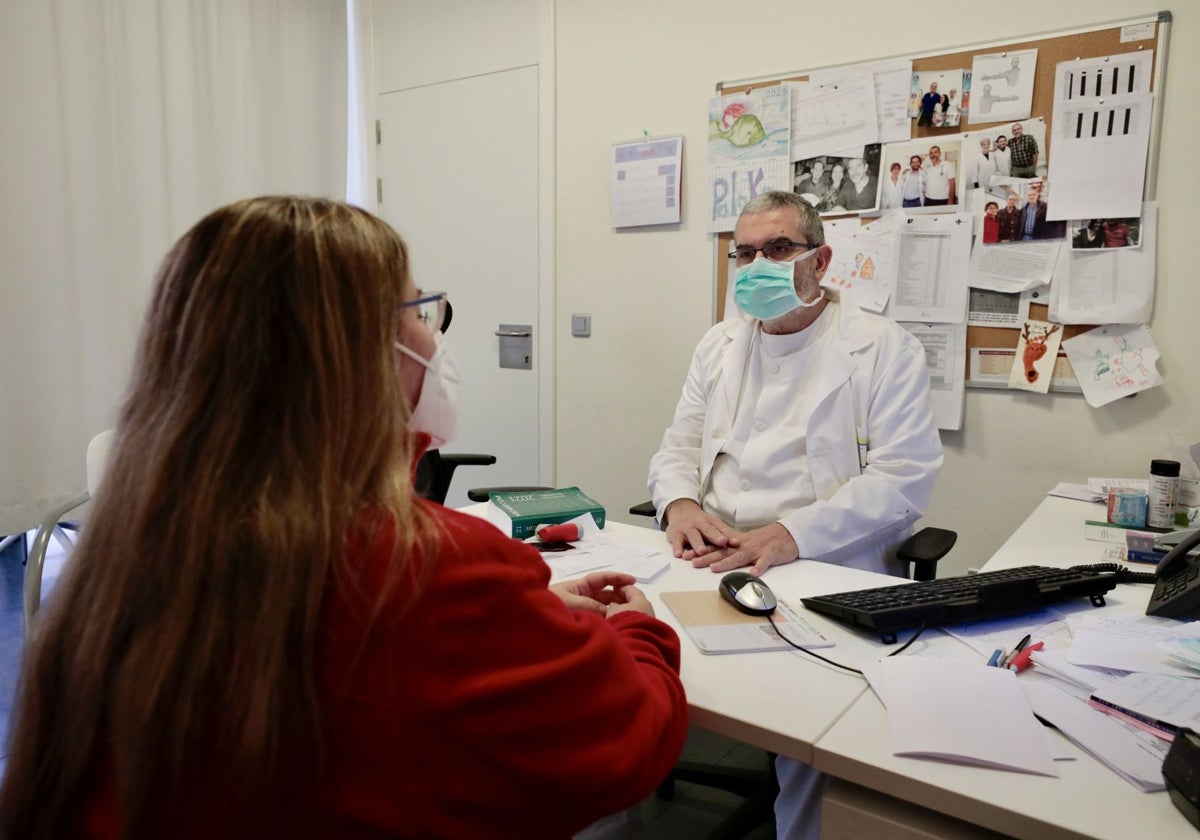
805, 429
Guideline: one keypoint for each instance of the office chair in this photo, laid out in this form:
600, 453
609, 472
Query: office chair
55, 525
435, 470
921, 551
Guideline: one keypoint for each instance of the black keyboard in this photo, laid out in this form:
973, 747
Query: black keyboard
886, 609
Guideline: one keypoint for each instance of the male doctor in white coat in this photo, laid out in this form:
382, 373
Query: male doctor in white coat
805, 429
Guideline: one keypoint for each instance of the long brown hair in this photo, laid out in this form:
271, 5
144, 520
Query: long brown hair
264, 416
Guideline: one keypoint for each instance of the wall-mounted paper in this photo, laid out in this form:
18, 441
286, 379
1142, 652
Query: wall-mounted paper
1113, 361
931, 276
1109, 286
1033, 363
748, 148
645, 182
1002, 86
945, 356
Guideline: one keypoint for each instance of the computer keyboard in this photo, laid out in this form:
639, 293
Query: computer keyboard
886, 609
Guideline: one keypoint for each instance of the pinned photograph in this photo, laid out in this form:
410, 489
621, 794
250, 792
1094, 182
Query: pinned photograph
837, 184
934, 98
1020, 149
1021, 214
1002, 86
928, 174
1105, 233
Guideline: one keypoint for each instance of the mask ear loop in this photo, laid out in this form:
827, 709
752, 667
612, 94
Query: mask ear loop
820, 290
416, 357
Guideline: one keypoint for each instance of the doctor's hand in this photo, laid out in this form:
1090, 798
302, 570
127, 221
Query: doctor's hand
600, 592
694, 533
761, 548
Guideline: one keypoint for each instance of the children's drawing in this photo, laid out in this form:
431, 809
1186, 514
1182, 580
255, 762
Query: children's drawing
1113, 361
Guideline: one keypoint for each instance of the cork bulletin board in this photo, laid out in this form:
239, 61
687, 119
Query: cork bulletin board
1096, 41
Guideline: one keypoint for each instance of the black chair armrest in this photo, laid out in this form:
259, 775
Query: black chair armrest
468, 459
924, 548
644, 509
482, 494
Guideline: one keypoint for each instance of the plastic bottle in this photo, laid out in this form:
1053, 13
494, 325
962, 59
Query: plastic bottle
1164, 479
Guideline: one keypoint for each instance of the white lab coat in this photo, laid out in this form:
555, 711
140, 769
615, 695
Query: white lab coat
876, 390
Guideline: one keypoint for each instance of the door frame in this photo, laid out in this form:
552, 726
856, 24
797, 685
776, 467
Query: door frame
547, 261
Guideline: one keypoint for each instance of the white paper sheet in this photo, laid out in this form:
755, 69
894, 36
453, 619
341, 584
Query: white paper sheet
1171, 700
933, 254
998, 309
1002, 86
1135, 756
946, 357
963, 712
1111, 362
863, 267
1127, 644
1109, 287
1102, 110
891, 78
1013, 267
835, 113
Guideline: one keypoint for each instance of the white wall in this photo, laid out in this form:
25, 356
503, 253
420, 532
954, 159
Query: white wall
628, 66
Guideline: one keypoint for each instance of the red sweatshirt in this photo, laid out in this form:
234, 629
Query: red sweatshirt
488, 710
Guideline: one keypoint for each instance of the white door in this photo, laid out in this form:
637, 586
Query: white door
458, 161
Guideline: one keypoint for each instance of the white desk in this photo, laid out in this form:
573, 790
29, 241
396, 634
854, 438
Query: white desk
781, 701
790, 704
1087, 800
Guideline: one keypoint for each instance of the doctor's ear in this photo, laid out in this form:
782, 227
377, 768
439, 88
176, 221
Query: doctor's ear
821, 259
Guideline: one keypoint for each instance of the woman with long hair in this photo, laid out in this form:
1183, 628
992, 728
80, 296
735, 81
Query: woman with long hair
264, 632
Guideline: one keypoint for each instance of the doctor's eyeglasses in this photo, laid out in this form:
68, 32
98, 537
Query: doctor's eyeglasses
431, 309
777, 250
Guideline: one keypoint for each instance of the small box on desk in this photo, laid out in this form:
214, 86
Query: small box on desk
518, 513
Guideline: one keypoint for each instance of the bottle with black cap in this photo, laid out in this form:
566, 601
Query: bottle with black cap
1164, 479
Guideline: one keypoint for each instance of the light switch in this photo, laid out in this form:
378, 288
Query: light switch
581, 325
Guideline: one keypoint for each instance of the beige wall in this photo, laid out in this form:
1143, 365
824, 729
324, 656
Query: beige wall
628, 66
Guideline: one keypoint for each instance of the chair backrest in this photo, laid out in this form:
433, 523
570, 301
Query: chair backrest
97, 459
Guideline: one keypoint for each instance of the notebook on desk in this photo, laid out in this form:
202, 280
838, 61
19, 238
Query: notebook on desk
979, 597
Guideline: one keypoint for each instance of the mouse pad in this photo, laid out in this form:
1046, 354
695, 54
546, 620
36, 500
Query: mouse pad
715, 626
703, 606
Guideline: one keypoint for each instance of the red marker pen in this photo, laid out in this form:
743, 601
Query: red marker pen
566, 532
1021, 660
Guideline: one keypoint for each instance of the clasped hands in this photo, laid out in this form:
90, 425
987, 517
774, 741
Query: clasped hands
606, 593
704, 540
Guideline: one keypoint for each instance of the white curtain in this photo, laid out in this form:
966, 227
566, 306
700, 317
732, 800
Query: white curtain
124, 122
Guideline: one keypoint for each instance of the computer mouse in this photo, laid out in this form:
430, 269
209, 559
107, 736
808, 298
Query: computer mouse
748, 593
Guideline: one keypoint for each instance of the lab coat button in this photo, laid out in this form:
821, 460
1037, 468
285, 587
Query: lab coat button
746, 485
759, 426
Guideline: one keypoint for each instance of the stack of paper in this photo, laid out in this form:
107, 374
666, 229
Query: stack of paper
1185, 652
596, 550
1162, 704
1135, 756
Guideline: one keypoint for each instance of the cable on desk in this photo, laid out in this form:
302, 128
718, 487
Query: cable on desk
900, 649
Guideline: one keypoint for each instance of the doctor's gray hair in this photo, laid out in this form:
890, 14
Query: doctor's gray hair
810, 221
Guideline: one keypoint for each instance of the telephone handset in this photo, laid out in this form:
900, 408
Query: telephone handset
1177, 587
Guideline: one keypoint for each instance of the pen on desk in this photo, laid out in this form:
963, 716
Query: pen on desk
997, 658
1021, 660
1020, 647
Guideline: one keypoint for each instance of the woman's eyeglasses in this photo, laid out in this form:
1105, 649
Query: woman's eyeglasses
431, 309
